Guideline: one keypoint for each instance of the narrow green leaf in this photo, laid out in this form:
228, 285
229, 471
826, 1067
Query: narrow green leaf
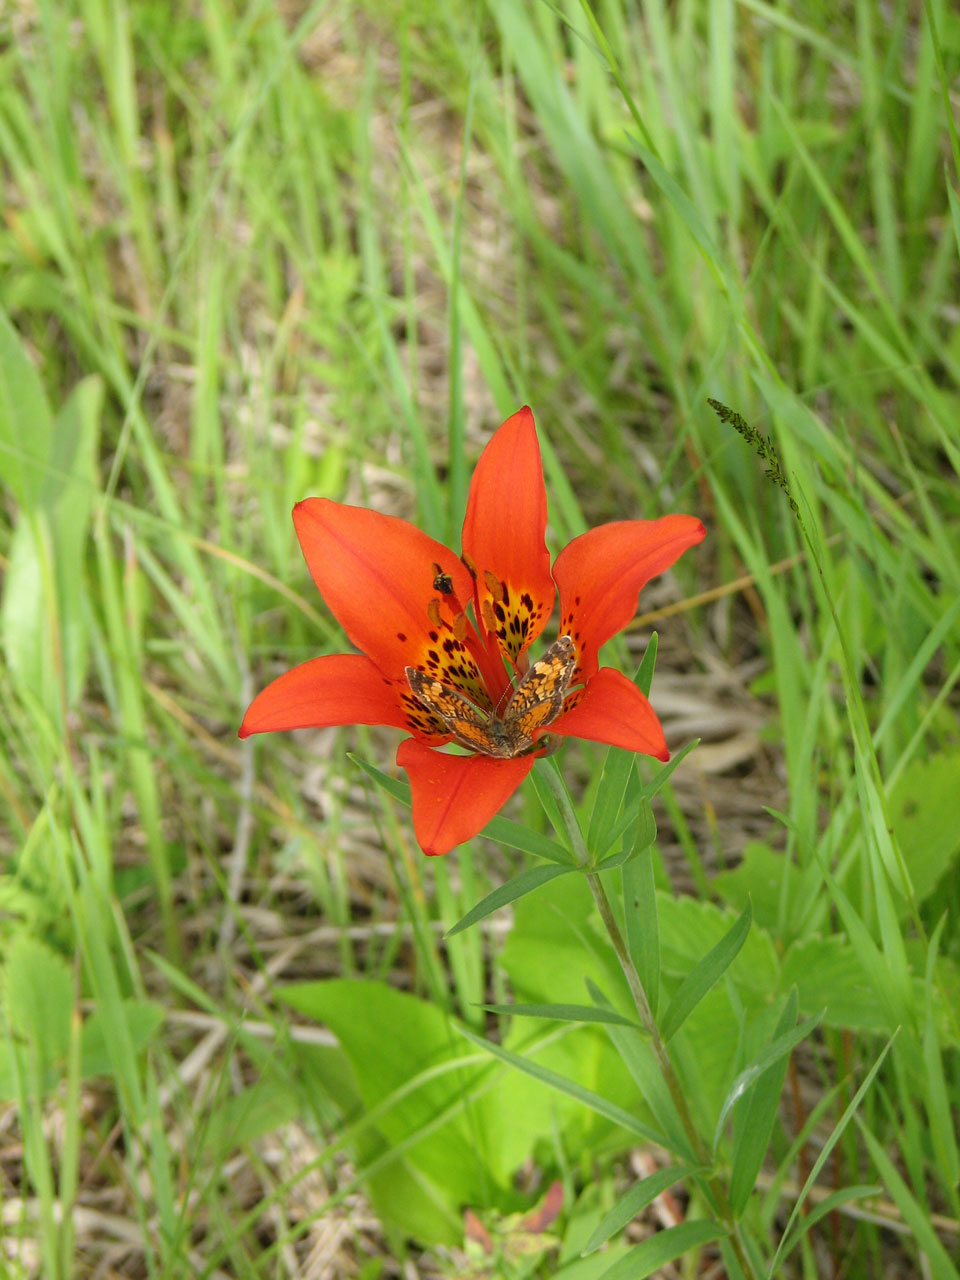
519, 837
662, 1248
663, 775
570, 1087
393, 786
564, 1013
637, 1055
618, 769
644, 677
548, 801
705, 975
516, 888
630, 1204
684, 206
834, 1201
646, 792
756, 1119
641, 838
780, 1047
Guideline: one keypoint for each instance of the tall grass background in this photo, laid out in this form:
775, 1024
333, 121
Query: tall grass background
252, 252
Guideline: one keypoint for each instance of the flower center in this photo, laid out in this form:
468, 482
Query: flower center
536, 702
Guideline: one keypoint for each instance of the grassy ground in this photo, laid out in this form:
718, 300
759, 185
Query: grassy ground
252, 252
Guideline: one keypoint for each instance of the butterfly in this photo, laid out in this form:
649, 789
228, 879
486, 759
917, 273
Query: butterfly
537, 701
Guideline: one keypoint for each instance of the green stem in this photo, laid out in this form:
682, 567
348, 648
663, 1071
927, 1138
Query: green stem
645, 1013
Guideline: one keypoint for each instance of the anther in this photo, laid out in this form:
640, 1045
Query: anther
495, 586
433, 613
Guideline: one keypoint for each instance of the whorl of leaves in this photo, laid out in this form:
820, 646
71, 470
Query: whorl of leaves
760, 445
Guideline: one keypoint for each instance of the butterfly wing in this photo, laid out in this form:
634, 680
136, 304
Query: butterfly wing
538, 698
470, 727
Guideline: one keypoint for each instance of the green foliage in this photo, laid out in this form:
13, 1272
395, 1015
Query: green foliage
249, 256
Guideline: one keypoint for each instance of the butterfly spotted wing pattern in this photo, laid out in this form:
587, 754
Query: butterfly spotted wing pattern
536, 701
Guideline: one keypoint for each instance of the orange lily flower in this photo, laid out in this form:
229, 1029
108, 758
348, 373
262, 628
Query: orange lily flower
444, 674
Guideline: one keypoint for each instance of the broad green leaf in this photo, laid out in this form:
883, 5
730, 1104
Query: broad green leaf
657, 1250
828, 975
404, 1058
25, 607
26, 425
267, 1105
708, 972
44, 629
554, 944
522, 1113
143, 1020
924, 808
630, 1204
556, 941
526, 882
39, 998
873, 963
563, 1013
688, 927
759, 878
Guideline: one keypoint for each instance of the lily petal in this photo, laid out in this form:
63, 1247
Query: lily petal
378, 576
612, 709
340, 688
504, 536
600, 574
454, 797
